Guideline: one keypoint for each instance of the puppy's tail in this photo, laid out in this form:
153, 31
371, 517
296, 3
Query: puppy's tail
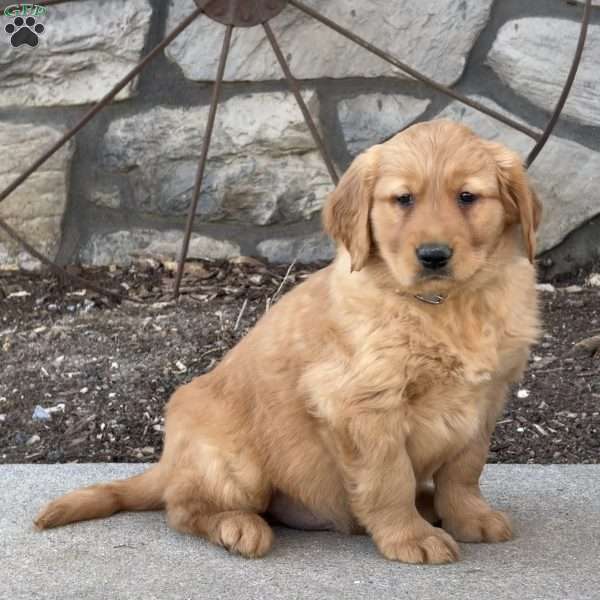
142, 492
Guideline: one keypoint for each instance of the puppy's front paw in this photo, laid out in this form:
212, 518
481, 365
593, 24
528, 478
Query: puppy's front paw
246, 534
492, 526
435, 547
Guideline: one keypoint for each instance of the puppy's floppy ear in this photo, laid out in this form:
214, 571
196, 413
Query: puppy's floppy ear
346, 213
521, 201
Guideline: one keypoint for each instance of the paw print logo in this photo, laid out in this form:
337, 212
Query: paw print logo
24, 31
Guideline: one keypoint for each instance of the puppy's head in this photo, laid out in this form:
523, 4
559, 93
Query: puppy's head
433, 203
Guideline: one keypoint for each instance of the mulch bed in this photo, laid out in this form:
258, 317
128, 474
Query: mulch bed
100, 373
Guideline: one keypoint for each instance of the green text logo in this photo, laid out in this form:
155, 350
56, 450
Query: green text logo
24, 10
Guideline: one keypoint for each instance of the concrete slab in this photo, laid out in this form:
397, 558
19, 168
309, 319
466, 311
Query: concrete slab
136, 556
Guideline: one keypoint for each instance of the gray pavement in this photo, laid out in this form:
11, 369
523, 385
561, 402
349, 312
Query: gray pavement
136, 556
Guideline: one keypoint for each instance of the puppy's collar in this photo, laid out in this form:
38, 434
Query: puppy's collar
431, 298
427, 298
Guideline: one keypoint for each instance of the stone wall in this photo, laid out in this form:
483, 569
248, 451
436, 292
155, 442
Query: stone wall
124, 185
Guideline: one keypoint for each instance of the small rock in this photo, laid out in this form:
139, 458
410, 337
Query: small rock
170, 265
2, 417
148, 450
197, 270
573, 289
147, 264
160, 305
589, 346
545, 287
40, 414
593, 280
21, 294
34, 439
256, 279
542, 361
55, 409
56, 455
522, 393
84, 390
246, 260
88, 305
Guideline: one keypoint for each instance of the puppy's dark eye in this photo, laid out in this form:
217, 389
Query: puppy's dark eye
466, 198
405, 200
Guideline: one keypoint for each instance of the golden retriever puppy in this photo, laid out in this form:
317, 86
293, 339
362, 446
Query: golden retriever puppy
381, 374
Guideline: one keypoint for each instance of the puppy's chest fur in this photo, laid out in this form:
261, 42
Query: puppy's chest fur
439, 381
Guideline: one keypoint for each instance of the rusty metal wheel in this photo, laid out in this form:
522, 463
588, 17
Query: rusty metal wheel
253, 13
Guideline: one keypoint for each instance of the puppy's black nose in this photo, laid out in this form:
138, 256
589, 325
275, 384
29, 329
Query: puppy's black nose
434, 256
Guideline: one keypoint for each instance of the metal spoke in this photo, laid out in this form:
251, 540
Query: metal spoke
99, 105
216, 92
62, 273
587, 11
295, 88
59, 271
414, 73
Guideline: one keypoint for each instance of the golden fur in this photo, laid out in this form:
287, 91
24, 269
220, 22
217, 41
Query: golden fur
351, 394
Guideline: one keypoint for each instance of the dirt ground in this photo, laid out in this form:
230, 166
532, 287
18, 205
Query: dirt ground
84, 379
